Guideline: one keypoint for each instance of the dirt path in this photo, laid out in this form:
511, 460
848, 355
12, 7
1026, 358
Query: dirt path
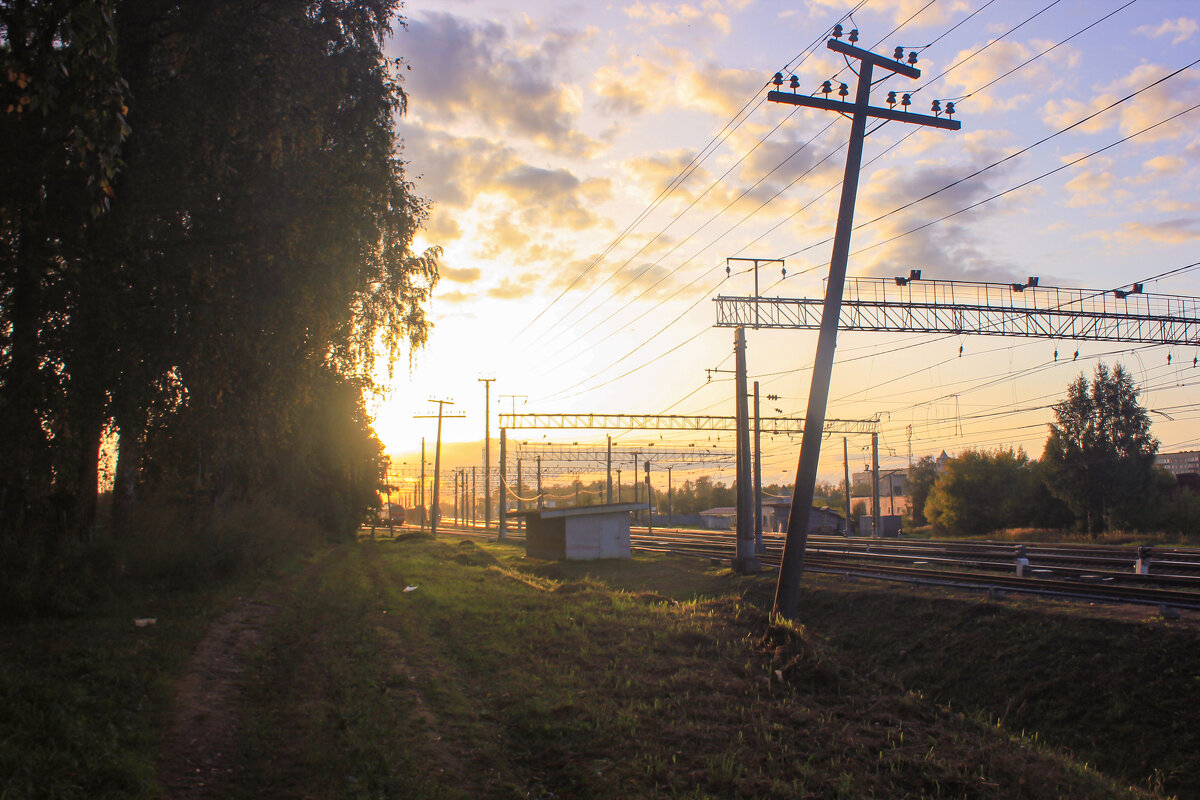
196, 753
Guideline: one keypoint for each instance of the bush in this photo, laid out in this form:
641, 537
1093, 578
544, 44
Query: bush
164, 544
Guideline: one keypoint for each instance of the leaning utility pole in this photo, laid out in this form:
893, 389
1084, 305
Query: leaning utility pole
787, 590
487, 453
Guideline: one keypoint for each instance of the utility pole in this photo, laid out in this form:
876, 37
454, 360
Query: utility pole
759, 547
474, 496
618, 484
423, 512
541, 500
503, 510
744, 561
487, 454
846, 478
787, 590
437, 460
876, 511
669, 521
649, 501
608, 462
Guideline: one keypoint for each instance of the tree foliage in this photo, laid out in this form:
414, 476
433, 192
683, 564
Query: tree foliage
981, 491
205, 249
1099, 457
921, 477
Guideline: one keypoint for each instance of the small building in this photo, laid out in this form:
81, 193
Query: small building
722, 518
582, 533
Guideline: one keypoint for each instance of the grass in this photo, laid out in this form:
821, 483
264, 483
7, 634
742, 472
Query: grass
1114, 688
504, 677
81, 697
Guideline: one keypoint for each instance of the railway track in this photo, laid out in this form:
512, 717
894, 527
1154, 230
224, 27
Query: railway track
1170, 577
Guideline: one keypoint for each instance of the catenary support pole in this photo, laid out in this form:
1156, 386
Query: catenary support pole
649, 501
759, 547
424, 510
502, 514
608, 470
744, 560
876, 510
487, 453
846, 478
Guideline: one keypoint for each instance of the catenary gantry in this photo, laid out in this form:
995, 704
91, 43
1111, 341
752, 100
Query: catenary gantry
677, 422
994, 309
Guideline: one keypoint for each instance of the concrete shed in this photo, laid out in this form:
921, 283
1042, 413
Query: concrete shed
584, 533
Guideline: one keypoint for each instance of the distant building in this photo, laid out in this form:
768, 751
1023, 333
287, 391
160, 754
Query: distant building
894, 495
1183, 463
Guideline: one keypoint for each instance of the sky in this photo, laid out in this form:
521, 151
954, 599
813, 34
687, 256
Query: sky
591, 166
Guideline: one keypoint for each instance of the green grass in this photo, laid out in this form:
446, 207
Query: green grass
82, 697
504, 677
1118, 689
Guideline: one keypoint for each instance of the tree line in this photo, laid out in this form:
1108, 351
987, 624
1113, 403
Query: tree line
206, 251
1097, 472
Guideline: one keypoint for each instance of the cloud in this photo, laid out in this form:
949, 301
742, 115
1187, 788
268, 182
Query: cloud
710, 14
922, 12
1090, 188
1159, 168
478, 74
1151, 106
459, 172
460, 275
1000, 57
1172, 231
1182, 28
671, 79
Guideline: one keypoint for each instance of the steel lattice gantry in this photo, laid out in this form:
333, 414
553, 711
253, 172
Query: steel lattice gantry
991, 309
677, 422
600, 455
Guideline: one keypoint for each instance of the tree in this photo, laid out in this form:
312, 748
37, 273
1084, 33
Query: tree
921, 477
982, 491
1099, 456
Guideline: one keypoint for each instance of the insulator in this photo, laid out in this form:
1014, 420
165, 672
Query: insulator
899, 54
783, 272
826, 87
912, 57
936, 107
794, 82
727, 270
837, 31
1168, 359
906, 100
950, 109
843, 90
778, 79
891, 98
853, 35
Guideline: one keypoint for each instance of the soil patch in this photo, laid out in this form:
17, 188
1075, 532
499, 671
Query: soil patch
197, 751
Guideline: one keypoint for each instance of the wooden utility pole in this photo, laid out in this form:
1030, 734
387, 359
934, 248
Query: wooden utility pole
487, 452
787, 590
